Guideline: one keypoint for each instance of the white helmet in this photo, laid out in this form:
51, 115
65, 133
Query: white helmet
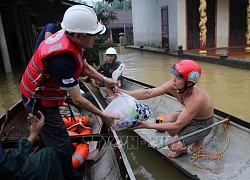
111, 51
82, 19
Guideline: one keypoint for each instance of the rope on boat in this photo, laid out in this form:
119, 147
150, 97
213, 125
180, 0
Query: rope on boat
78, 124
202, 153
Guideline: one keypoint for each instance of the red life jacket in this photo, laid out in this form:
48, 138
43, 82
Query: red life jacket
36, 82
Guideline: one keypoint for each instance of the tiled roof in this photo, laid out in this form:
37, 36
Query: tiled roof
121, 15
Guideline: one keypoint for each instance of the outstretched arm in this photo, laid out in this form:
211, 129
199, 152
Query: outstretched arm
148, 93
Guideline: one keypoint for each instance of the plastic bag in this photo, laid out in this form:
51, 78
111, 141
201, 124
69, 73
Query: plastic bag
129, 110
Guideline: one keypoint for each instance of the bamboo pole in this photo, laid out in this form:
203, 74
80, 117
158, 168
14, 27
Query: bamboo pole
191, 134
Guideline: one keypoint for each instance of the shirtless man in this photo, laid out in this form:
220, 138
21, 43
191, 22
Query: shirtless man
198, 107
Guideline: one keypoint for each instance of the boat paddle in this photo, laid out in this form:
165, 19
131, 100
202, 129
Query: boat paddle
163, 144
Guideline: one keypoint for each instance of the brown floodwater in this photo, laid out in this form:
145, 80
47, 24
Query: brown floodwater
228, 87
9, 89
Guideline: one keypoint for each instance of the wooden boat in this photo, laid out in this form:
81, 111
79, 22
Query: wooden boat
106, 159
233, 155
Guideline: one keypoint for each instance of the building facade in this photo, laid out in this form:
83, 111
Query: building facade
194, 24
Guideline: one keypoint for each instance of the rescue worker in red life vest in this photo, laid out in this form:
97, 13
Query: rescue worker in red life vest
53, 71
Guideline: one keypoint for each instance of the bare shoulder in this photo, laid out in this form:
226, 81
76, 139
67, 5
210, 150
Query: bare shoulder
201, 95
200, 103
197, 96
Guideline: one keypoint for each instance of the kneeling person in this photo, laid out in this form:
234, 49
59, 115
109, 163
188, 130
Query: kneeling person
198, 107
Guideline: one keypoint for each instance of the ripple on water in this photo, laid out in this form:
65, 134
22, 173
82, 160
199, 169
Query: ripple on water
9, 91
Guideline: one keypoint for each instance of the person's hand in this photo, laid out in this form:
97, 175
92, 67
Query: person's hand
35, 125
98, 83
141, 124
93, 83
83, 78
109, 82
119, 90
109, 119
119, 84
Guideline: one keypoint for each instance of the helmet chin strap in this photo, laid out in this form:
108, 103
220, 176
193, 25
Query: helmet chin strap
181, 91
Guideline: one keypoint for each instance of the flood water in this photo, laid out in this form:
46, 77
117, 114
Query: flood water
9, 89
228, 87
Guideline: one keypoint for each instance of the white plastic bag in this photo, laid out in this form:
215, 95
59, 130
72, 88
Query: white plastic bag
128, 109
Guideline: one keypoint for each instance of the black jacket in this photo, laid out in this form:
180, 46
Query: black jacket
107, 69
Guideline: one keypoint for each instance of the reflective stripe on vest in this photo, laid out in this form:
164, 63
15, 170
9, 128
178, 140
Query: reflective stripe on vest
35, 66
27, 89
41, 97
31, 78
55, 47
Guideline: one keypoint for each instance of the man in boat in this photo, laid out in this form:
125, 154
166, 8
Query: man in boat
111, 64
53, 71
198, 107
19, 164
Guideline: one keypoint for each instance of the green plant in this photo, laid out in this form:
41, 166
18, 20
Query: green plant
105, 16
